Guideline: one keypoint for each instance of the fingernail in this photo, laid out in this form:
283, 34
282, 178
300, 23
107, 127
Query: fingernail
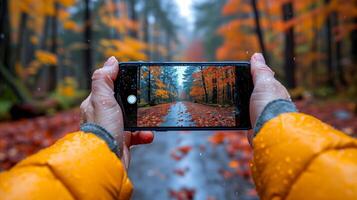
259, 57
110, 61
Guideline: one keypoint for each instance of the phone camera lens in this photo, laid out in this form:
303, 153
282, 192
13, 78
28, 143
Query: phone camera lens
131, 99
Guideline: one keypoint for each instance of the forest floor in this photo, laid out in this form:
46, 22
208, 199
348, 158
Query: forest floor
186, 114
183, 165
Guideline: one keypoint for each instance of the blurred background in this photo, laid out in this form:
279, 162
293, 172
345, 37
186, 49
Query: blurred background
49, 49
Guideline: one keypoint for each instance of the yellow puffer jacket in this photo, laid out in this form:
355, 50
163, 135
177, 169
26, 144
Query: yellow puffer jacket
295, 157
78, 166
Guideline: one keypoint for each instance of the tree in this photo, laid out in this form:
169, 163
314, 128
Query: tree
259, 30
207, 23
87, 54
289, 57
329, 50
204, 84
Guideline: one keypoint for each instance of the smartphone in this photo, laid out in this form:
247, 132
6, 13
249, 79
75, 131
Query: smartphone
163, 96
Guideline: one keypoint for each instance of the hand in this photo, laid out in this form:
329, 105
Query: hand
101, 108
266, 88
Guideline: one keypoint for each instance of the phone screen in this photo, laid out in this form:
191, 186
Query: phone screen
186, 96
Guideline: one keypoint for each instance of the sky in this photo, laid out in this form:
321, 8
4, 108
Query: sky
185, 10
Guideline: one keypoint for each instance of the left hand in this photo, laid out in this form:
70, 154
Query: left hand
101, 108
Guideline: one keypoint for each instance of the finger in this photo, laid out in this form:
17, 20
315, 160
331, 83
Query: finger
141, 137
259, 69
103, 78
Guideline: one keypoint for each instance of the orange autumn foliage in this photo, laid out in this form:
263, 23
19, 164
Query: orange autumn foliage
46, 58
223, 75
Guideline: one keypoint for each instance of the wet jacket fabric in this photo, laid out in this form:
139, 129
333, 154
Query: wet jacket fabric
296, 156
78, 166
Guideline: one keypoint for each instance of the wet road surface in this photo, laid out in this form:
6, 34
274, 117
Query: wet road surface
152, 169
178, 116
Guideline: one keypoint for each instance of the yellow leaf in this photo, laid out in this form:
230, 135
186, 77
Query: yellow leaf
46, 58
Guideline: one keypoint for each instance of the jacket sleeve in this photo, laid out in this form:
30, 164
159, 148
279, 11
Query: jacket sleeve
78, 166
296, 156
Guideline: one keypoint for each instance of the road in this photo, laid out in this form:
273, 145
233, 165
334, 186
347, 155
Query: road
178, 116
152, 169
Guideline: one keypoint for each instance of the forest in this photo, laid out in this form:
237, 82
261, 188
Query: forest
50, 48
177, 95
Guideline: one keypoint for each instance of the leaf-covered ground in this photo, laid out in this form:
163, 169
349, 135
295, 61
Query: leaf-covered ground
184, 165
204, 115
152, 116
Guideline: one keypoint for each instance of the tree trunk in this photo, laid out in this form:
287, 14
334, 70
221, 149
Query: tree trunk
146, 33
41, 76
5, 36
339, 67
289, 47
353, 36
52, 69
314, 63
133, 17
87, 64
329, 60
6, 69
149, 86
214, 90
21, 38
228, 88
259, 30
204, 85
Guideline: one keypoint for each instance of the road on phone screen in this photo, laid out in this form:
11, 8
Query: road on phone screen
178, 116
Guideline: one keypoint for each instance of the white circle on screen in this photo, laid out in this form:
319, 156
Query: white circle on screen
131, 99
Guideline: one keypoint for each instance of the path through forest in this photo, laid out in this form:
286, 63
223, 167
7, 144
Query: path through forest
178, 116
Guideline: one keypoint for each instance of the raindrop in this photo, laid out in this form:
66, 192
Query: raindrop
287, 159
103, 102
200, 154
294, 58
247, 52
38, 89
2, 36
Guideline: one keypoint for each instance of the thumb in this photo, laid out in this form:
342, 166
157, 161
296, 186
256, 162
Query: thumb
259, 69
266, 87
103, 78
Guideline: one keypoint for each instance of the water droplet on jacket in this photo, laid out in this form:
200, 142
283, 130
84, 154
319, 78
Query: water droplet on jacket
287, 159
267, 151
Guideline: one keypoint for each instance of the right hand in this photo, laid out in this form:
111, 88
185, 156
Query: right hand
266, 89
